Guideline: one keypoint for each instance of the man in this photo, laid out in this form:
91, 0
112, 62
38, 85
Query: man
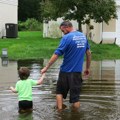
73, 47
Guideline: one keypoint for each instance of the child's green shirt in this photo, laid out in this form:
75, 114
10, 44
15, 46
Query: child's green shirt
24, 89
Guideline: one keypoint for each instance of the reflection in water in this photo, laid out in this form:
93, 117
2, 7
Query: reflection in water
26, 116
8, 74
34, 65
99, 96
4, 61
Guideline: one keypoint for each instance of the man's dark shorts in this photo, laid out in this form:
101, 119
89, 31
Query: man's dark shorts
69, 82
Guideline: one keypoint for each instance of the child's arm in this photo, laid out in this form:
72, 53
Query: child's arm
13, 89
41, 79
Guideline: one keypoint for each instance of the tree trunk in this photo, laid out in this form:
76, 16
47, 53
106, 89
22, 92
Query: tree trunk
79, 25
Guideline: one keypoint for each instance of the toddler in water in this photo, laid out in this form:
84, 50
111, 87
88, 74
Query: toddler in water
24, 89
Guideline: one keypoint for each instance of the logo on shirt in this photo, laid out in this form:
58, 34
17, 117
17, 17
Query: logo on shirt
80, 41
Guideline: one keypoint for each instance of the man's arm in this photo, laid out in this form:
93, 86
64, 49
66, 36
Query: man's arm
88, 61
51, 61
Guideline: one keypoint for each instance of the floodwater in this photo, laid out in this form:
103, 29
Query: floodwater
100, 95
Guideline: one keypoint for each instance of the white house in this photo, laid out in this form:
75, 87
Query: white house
103, 33
106, 33
8, 14
51, 28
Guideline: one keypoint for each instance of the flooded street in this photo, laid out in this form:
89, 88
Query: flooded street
100, 95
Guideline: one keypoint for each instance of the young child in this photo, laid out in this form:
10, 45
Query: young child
24, 89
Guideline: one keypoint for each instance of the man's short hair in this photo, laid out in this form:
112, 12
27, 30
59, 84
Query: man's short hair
66, 24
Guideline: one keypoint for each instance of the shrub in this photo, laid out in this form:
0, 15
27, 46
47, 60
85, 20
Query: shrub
30, 24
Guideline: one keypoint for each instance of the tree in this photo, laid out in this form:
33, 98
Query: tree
81, 10
29, 9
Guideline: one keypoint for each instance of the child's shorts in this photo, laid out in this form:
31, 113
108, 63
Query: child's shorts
25, 105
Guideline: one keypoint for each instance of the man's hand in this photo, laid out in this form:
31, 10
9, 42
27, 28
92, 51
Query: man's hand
44, 70
86, 73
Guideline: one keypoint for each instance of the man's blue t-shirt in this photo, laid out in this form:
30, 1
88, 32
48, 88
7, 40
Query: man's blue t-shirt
73, 47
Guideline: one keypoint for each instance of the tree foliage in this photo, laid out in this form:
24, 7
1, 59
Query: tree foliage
29, 9
81, 10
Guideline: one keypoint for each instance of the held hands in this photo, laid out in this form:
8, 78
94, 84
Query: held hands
40, 81
43, 75
44, 70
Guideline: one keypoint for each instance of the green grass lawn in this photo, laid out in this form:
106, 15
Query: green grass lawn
31, 45
104, 51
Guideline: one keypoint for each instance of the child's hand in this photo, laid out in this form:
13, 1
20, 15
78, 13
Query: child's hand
43, 74
11, 87
41, 79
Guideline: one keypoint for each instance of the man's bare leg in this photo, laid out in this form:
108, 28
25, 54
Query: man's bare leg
59, 101
76, 105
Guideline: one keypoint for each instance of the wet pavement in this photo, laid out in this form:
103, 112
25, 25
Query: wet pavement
100, 95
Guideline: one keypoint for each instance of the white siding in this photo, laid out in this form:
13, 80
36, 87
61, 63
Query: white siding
51, 29
117, 2
109, 35
118, 27
11, 2
8, 14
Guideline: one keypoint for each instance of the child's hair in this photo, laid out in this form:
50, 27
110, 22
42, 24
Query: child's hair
24, 73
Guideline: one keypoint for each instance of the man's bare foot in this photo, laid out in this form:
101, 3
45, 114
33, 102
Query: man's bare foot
63, 107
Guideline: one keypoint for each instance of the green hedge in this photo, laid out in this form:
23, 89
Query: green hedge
30, 24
